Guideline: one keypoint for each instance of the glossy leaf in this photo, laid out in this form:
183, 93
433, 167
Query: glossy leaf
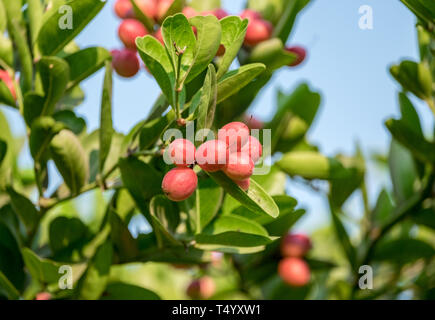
235, 80
414, 77
66, 235
404, 250
343, 238
42, 131
106, 126
207, 103
124, 244
24, 208
287, 19
71, 121
11, 261
43, 270
164, 219
424, 9
255, 199
51, 38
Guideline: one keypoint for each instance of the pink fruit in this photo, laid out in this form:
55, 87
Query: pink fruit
239, 166
294, 271
295, 245
234, 134
202, 288
129, 30
218, 13
148, 7
182, 152
252, 122
253, 148
189, 12
6, 78
125, 62
124, 9
179, 183
43, 296
158, 35
300, 55
250, 14
162, 7
244, 184
211, 155
258, 31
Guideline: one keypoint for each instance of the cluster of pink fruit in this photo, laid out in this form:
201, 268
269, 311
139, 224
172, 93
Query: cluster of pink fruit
126, 62
7, 79
235, 152
292, 269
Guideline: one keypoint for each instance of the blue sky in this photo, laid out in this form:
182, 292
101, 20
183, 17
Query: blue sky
349, 66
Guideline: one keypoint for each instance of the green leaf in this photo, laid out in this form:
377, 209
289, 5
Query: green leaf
70, 159
71, 99
272, 54
157, 61
164, 219
344, 240
43, 270
24, 208
235, 80
42, 131
233, 35
207, 103
287, 20
13, 9
139, 14
204, 5
423, 9
233, 234
35, 13
6, 50
134, 170
66, 235
94, 281
6, 287
287, 218
425, 217
402, 251
311, 165
19, 38
414, 77
175, 7
3, 150
255, 199
3, 18
86, 62
124, 244
11, 261
273, 182
409, 114
403, 172
177, 32
71, 121
208, 39
6, 97
54, 73
124, 291
106, 126
51, 38
412, 140
383, 209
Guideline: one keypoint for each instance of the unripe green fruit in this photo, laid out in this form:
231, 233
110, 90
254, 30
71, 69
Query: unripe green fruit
295, 245
182, 152
253, 148
294, 271
239, 166
125, 62
258, 31
244, 184
179, 183
211, 156
129, 30
202, 288
234, 134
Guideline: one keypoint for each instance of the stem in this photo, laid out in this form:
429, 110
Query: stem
365, 199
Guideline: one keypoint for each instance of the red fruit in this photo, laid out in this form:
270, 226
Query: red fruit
258, 31
239, 166
182, 152
179, 183
294, 271
221, 51
6, 78
252, 122
300, 53
253, 148
211, 155
244, 184
159, 36
125, 62
189, 12
124, 9
129, 30
250, 14
235, 135
218, 13
148, 7
162, 8
43, 296
202, 288
295, 245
